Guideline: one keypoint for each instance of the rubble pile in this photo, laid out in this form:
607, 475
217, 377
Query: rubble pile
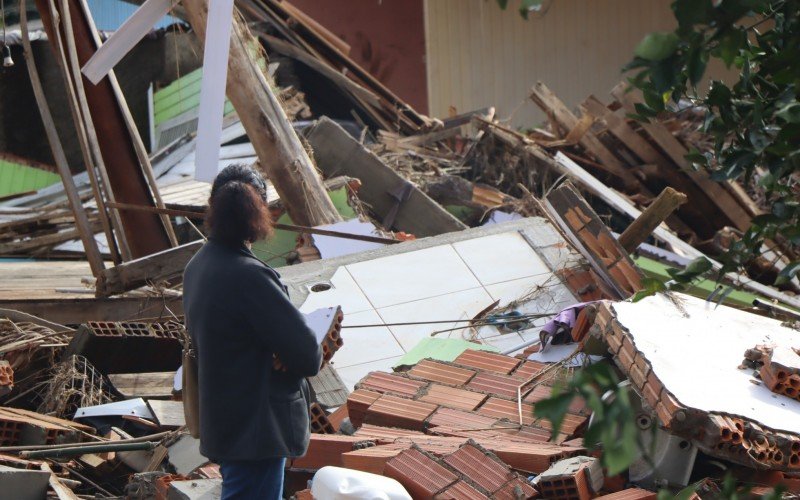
465, 274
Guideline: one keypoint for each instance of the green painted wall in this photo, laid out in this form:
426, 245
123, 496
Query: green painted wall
15, 178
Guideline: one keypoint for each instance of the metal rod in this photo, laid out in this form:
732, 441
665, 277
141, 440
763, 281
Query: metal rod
81, 450
88, 481
774, 308
286, 227
33, 447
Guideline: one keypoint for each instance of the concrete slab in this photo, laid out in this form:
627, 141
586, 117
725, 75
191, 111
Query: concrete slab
21, 484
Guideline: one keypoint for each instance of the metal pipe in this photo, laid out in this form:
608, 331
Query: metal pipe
81, 450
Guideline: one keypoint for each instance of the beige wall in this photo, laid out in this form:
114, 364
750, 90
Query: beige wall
479, 55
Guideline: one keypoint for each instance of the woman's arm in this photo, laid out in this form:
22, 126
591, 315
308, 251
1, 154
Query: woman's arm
278, 324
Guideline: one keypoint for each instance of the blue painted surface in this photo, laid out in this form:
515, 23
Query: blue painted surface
110, 14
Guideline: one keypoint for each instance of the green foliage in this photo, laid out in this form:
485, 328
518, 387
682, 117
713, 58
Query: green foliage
754, 121
613, 424
697, 269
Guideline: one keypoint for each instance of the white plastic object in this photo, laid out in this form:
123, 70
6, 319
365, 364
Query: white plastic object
336, 483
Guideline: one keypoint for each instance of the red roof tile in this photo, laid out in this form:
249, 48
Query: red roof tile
387, 382
372, 459
630, 494
461, 491
488, 361
460, 419
528, 369
420, 475
453, 397
325, 449
436, 371
494, 383
512, 489
502, 408
392, 411
480, 468
384, 434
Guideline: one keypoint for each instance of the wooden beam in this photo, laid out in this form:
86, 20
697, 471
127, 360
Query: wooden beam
74, 311
153, 268
280, 152
644, 225
552, 105
82, 224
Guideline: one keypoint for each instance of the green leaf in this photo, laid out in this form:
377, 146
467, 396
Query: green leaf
691, 12
503, 4
657, 46
645, 110
651, 286
554, 409
790, 113
731, 42
692, 271
696, 65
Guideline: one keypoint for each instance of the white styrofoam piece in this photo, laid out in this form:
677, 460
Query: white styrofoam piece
330, 246
125, 38
452, 306
500, 257
351, 375
695, 350
343, 292
363, 345
136, 407
347, 484
413, 276
212, 88
556, 353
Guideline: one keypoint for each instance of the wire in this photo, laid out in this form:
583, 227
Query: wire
515, 319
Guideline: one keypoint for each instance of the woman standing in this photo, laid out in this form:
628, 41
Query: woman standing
238, 313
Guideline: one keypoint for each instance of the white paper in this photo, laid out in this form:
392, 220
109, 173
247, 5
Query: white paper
125, 38
212, 89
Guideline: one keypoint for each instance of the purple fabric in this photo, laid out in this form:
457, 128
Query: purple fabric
564, 319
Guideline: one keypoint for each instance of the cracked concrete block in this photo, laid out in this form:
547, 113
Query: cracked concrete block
22, 484
195, 489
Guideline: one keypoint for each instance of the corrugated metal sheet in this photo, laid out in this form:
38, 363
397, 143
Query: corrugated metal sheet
15, 178
479, 55
110, 14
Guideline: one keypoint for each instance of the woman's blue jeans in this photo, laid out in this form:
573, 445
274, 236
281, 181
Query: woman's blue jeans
252, 480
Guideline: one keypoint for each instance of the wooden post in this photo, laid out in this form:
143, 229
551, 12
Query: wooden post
279, 150
642, 227
93, 254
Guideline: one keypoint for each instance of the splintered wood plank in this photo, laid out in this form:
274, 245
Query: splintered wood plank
620, 129
143, 385
676, 152
552, 106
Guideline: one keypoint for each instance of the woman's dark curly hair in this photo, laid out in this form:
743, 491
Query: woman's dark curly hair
237, 208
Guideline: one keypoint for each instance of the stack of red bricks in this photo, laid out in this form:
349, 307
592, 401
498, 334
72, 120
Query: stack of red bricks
780, 372
469, 472
470, 421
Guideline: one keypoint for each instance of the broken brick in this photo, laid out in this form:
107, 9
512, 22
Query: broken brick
435, 371
393, 411
419, 474
487, 361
